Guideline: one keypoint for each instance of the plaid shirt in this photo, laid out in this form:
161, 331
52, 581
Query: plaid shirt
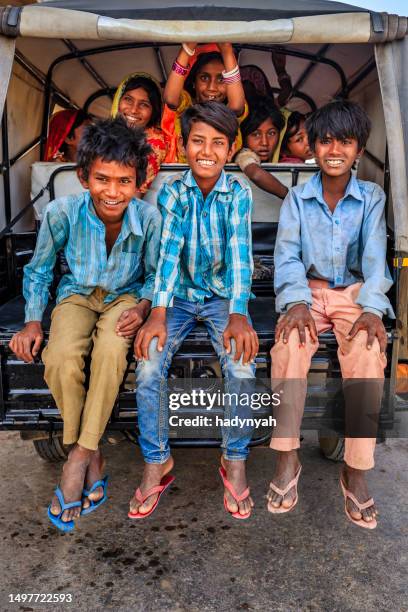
206, 243
71, 224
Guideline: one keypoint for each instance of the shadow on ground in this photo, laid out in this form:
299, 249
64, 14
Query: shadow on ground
190, 555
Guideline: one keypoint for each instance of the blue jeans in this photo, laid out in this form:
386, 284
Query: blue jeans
151, 378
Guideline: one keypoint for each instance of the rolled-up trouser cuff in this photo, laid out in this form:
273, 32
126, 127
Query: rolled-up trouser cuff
162, 459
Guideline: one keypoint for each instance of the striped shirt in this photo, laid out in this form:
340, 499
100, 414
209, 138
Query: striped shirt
206, 243
71, 224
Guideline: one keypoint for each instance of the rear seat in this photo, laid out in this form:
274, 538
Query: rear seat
62, 180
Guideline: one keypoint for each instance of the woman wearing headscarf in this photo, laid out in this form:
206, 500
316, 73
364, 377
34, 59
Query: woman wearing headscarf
138, 99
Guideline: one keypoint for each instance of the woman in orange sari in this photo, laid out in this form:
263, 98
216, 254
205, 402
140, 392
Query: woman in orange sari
138, 99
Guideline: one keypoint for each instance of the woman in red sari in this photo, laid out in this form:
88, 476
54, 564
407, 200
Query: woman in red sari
64, 134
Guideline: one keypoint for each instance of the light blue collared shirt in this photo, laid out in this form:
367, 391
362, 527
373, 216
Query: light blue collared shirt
343, 247
206, 246
71, 224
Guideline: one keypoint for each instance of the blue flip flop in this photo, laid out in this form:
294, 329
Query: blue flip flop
56, 518
95, 504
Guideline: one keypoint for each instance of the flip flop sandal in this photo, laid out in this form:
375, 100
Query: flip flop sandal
56, 518
141, 497
95, 504
283, 492
359, 522
238, 498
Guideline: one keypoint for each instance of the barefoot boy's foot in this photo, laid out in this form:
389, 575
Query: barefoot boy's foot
236, 476
287, 466
152, 476
94, 472
72, 482
355, 482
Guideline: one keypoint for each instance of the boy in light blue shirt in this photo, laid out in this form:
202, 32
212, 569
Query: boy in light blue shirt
111, 243
331, 274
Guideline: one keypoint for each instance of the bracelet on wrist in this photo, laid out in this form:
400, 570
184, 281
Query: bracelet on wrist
233, 76
187, 49
179, 69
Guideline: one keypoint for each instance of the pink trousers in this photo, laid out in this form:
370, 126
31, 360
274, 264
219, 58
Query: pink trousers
332, 310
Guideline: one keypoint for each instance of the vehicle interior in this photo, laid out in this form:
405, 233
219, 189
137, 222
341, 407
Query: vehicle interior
51, 74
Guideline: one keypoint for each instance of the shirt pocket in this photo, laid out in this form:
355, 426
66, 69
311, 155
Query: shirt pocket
131, 256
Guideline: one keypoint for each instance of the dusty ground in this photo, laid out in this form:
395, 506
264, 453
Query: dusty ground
190, 555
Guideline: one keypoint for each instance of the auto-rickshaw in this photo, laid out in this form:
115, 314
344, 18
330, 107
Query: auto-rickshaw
72, 54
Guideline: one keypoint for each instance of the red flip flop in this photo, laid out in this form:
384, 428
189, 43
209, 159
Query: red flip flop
238, 498
160, 489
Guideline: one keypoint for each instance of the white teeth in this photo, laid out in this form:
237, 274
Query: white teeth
334, 162
205, 162
111, 202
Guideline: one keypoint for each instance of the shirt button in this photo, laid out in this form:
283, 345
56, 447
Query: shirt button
338, 279
204, 214
337, 222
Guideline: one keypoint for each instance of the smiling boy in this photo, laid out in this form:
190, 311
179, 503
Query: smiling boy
331, 274
204, 274
111, 244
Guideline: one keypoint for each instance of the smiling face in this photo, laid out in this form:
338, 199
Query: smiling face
264, 140
209, 83
298, 145
136, 108
336, 157
207, 152
112, 186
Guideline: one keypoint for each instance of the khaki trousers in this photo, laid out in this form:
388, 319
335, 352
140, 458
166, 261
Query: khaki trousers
332, 309
83, 325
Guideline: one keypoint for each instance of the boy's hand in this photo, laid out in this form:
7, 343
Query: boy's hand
246, 340
26, 343
155, 326
131, 319
374, 327
298, 317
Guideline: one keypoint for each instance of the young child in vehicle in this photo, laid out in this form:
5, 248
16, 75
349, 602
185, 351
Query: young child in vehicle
260, 133
138, 99
331, 274
214, 77
64, 134
204, 274
295, 147
111, 244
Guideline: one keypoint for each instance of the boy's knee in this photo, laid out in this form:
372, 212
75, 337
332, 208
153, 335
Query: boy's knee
154, 366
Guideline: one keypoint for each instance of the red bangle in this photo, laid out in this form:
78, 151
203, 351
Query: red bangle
179, 69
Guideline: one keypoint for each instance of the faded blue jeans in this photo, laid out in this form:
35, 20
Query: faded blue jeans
151, 378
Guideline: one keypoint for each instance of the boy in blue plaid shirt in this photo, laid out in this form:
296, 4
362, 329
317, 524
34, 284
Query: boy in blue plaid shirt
204, 275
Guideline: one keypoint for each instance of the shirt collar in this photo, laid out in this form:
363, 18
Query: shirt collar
221, 185
131, 219
314, 189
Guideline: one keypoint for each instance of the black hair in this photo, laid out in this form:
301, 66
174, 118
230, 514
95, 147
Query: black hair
112, 140
339, 119
80, 118
154, 94
216, 114
202, 60
293, 124
261, 110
